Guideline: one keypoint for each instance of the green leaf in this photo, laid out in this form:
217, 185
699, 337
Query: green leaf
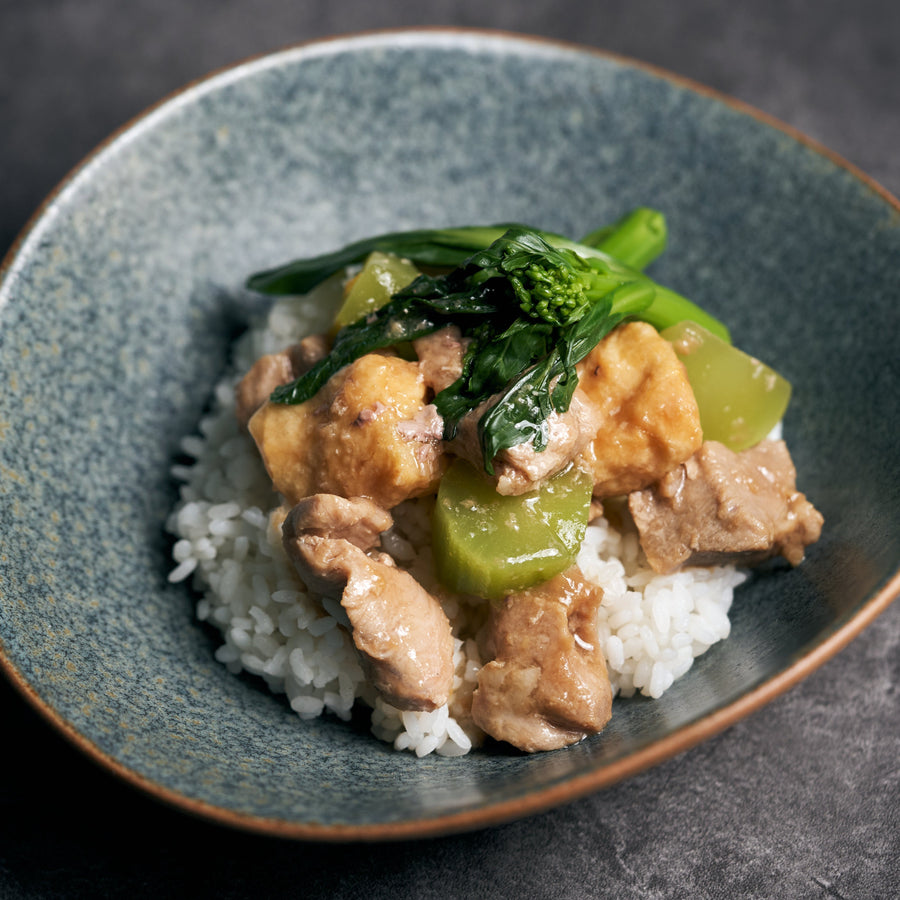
520, 413
443, 247
391, 324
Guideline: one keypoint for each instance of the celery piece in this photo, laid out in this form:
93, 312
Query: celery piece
382, 275
492, 545
740, 398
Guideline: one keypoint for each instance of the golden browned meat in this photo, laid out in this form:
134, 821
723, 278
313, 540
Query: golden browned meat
366, 433
273, 370
649, 422
400, 631
726, 507
547, 685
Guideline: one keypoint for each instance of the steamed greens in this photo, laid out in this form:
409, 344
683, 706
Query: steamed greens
532, 303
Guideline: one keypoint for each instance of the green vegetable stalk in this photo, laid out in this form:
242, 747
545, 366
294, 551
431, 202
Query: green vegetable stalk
635, 240
624, 247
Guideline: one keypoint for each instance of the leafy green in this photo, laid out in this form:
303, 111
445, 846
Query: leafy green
392, 324
520, 414
428, 248
532, 304
532, 313
639, 237
552, 285
439, 248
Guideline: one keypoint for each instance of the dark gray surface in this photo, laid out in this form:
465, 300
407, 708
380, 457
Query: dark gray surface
801, 800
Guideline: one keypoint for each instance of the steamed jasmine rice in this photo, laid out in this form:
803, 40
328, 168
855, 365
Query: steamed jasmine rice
228, 544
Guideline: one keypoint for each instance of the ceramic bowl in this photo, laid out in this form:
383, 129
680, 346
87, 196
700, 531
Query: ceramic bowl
120, 300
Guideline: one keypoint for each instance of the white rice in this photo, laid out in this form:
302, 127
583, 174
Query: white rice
228, 543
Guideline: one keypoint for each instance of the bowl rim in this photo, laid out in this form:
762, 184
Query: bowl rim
573, 788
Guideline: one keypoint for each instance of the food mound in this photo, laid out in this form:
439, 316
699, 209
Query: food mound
483, 480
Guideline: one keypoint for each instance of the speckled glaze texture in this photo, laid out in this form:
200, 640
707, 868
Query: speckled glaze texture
117, 311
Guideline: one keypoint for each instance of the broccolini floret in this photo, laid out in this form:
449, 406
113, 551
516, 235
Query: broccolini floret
554, 294
550, 284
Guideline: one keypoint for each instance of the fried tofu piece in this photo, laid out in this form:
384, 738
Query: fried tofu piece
366, 433
649, 421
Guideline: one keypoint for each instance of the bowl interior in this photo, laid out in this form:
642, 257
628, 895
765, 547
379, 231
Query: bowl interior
117, 313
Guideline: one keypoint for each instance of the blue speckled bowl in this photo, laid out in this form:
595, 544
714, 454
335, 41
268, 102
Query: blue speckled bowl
119, 302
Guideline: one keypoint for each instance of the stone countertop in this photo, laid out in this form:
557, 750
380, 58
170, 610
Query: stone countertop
800, 800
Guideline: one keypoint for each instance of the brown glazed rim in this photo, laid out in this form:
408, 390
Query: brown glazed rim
573, 788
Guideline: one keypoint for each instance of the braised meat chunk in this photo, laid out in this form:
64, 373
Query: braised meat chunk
361, 435
521, 468
358, 521
649, 421
726, 507
272, 371
400, 631
440, 357
547, 685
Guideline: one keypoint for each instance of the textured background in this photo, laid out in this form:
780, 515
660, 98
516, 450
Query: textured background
801, 800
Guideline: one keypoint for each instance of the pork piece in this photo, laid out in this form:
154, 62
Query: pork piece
521, 468
400, 631
440, 357
358, 521
649, 421
273, 370
726, 507
547, 685
366, 433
